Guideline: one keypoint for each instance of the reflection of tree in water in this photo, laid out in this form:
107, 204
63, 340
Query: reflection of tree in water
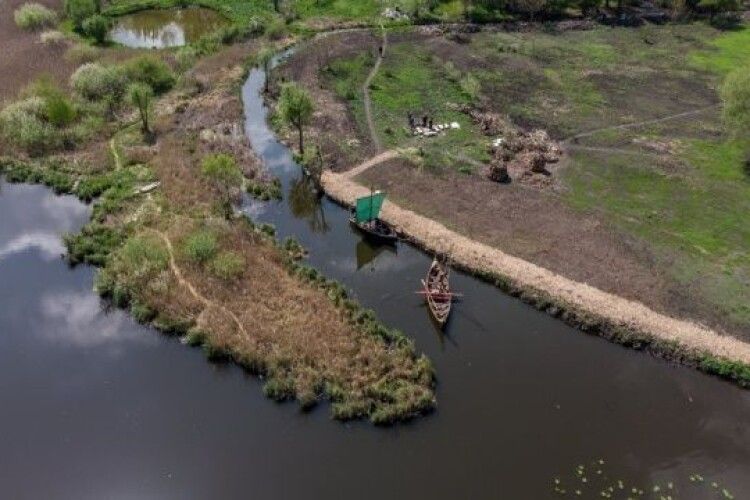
305, 203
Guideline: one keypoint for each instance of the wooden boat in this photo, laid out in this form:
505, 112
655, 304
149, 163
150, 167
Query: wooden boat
365, 218
437, 291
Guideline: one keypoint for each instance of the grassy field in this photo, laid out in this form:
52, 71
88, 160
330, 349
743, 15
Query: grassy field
678, 186
410, 81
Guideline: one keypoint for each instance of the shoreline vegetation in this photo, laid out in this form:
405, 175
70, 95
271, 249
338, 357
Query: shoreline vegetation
171, 249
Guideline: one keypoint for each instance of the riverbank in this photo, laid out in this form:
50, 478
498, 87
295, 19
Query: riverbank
592, 310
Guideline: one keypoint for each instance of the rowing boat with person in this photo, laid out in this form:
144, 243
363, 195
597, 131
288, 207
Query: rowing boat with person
437, 291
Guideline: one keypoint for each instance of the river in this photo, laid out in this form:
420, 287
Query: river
95, 406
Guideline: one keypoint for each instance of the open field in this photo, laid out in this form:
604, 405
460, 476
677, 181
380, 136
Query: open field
653, 212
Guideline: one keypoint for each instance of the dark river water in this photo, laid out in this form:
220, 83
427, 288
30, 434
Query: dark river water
95, 406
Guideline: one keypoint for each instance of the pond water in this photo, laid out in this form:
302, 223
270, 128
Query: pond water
165, 28
95, 406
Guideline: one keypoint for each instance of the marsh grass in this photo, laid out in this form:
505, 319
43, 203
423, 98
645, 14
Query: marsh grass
231, 288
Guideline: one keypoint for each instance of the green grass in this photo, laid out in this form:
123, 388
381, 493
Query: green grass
340, 9
239, 11
411, 80
725, 53
701, 216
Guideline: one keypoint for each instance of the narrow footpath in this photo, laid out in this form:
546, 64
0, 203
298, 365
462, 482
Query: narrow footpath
366, 93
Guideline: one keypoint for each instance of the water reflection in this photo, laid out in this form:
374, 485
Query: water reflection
165, 28
367, 253
304, 201
39, 226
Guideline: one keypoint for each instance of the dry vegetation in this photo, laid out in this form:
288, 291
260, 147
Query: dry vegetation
173, 258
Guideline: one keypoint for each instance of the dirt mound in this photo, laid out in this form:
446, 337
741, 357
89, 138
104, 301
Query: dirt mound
517, 155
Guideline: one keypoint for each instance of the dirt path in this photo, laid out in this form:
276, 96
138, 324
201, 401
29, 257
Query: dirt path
207, 303
115, 153
375, 160
619, 151
639, 124
366, 93
573, 295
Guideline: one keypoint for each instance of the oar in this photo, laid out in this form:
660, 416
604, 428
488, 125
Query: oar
439, 294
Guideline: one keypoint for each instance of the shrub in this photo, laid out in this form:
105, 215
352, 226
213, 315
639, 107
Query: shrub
150, 70
97, 27
141, 97
96, 82
228, 265
78, 10
32, 16
276, 29
185, 58
201, 246
222, 171
58, 108
52, 37
23, 124
93, 245
470, 86
142, 257
82, 53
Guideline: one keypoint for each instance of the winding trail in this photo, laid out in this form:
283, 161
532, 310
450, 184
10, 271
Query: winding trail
366, 93
619, 151
207, 303
653, 121
115, 153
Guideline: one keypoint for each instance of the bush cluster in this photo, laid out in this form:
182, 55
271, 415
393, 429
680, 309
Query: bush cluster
23, 123
33, 16
96, 82
96, 27
201, 246
80, 10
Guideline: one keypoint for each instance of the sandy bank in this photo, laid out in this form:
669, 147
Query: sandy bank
671, 337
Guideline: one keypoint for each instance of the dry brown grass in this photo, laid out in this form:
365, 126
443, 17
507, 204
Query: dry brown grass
301, 335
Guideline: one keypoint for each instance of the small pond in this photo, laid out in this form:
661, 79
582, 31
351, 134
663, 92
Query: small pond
158, 29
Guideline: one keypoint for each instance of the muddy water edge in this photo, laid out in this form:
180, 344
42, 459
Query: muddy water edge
96, 406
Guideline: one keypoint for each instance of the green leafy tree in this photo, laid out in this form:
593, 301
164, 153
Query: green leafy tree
150, 70
79, 10
222, 171
141, 97
97, 27
296, 109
